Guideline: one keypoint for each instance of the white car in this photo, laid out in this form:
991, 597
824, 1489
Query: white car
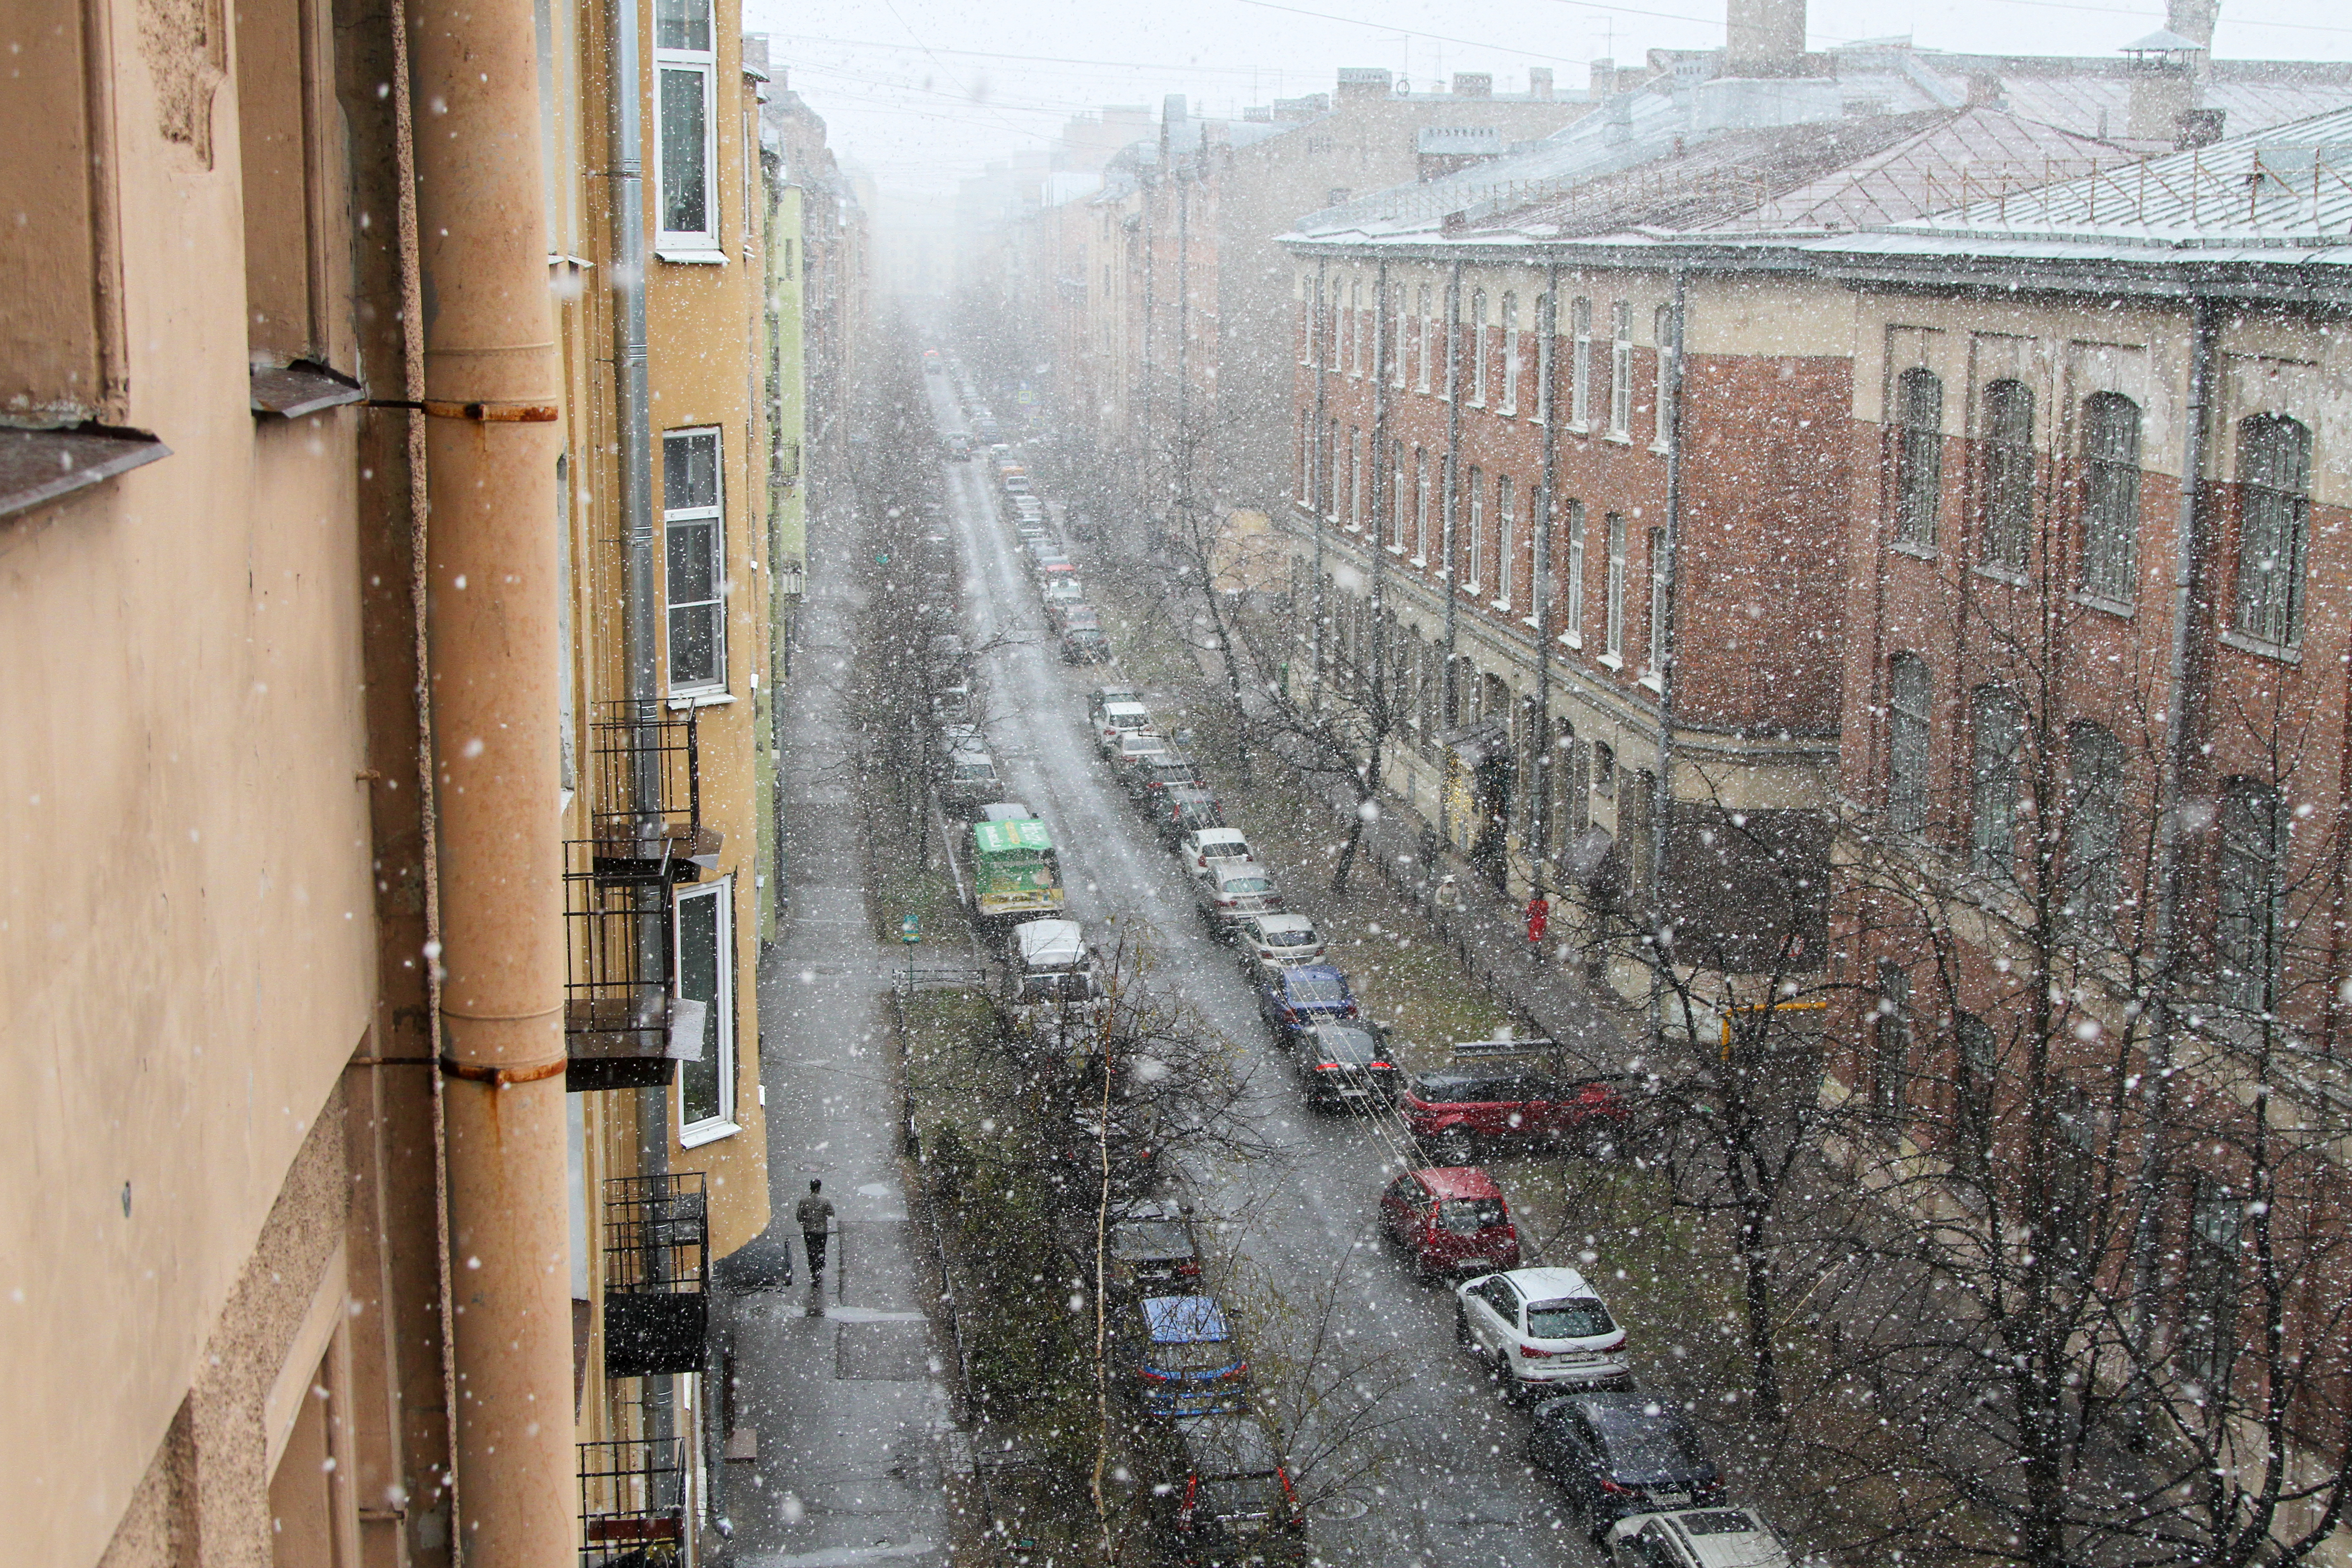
1121, 719
1278, 942
1697, 1538
1203, 845
1540, 1328
1230, 891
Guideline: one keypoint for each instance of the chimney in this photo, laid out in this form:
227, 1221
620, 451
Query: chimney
1605, 78
2163, 72
1474, 84
1540, 83
1765, 38
1171, 109
1359, 84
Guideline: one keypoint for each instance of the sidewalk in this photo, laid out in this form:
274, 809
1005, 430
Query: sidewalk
839, 1381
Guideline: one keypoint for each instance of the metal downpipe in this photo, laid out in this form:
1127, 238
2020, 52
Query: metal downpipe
494, 654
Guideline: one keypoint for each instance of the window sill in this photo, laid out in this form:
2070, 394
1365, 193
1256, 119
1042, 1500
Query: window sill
1502, 604
2015, 579
1572, 639
1653, 680
2282, 653
1420, 563
37, 467
2124, 608
1396, 550
1508, 411
681, 701
702, 1132
1573, 428
300, 389
1353, 528
1905, 547
1471, 589
1530, 622
1663, 449
1611, 661
1619, 438
691, 258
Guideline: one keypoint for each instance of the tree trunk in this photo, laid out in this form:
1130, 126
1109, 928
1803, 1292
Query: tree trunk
1755, 1264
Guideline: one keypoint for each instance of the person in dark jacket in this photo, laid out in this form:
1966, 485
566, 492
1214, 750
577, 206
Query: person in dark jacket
815, 1214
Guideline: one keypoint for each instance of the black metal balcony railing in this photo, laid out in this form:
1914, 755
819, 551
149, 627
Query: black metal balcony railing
646, 795
632, 1503
616, 992
656, 1274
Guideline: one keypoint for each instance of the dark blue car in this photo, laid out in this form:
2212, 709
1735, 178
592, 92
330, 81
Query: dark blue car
1291, 1000
1185, 1359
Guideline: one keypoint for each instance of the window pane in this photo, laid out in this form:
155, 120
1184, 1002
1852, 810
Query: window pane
2009, 474
1994, 829
682, 25
2094, 784
1918, 457
693, 577
2111, 497
1908, 743
694, 645
690, 470
701, 1086
685, 122
2273, 479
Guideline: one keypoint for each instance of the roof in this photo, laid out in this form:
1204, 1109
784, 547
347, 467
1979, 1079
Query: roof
1124, 709
1548, 1284
1061, 941
998, 838
1184, 1319
1285, 923
1730, 1538
1458, 1182
1220, 836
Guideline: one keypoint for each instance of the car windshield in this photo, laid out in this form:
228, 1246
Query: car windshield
1150, 1238
1249, 885
1718, 1521
1303, 937
1449, 1088
1467, 1216
1058, 988
1661, 1451
971, 771
1577, 1318
1194, 1355
1314, 991
1354, 1048
1215, 851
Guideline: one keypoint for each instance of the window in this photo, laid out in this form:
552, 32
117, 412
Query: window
1906, 742
1334, 334
1474, 555
695, 528
1355, 329
60, 351
1392, 338
1547, 356
1658, 568
1355, 479
2095, 840
1620, 369
685, 67
1505, 546
1918, 457
1999, 727
1306, 457
1510, 354
2209, 1337
1396, 496
1662, 323
2249, 926
1421, 355
1572, 617
706, 973
1478, 347
2111, 497
1890, 1067
1420, 506
279, 63
1615, 631
1580, 373
1976, 1066
2006, 523
1331, 470
2274, 517
1604, 769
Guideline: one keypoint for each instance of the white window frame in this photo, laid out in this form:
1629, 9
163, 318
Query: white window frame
1663, 321
1657, 673
1477, 488
720, 1045
1505, 545
1356, 330
1306, 458
1396, 338
1426, 326
1396, 498
1620, 370
1478, 348
716, 514
1421, 506
1579, 384
1510, 356
1613, 643
1546, 353
1355, 479
1572, 615
697, 245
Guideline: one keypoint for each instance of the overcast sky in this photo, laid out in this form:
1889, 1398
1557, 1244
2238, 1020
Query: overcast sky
920, 93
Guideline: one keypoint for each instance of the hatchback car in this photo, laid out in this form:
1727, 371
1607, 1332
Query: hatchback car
1540, 1328
1454, 1112
1153, 1247
1132, 747
1276, 942
1300, 997
1344, 1067
1180, 809
1450, 1220
1187, 1361
1198, 848
1619, 1452
1116, 719
971, 783
1151, 775
1698, 1538
1231, 1501
1226, 890
1103, 697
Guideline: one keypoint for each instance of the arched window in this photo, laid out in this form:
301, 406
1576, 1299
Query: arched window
1998, 730
2005, 525
1546, 353
2274, 518
2094, 837
1621, 368
1662, 321
1906, 742
2111, 497
1918, 456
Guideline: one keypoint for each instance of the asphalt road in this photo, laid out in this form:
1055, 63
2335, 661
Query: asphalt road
1459, 1490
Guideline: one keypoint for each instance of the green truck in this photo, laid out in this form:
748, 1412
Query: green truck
1014, 874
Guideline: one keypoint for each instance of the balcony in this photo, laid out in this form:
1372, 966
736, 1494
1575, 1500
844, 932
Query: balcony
616, 992
656, 1274
632, 1503
646, 796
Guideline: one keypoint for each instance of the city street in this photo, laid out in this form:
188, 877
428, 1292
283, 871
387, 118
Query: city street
1459, 1490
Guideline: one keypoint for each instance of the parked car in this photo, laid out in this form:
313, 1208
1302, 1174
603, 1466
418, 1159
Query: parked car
1132, 748
1455, 1110
1169, 770
1698, 1538
957, 445
954, 738
1450, 1220
1300, 997
1186, 1358
1063, 611
1540, 1328
1112, 719
971, 783
1006, 811
1103, 697
1180, 809
1621, 1452
1153, 1247
1231, 1501
1085, 645
1344, 1067
1276, 942
1225, 890
1197, 849
1075, 1148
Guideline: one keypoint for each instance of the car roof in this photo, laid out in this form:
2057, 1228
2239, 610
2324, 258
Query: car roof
1721, 1541
1301, 973
1049, 938
1124, 709
1614, 1408
1286, 922
1190, 794
1224, 870
1548, 1284
1207, 836
1459, 1182
1184, 1319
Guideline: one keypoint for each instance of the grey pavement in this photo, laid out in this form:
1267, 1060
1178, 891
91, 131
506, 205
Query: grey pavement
837, 1378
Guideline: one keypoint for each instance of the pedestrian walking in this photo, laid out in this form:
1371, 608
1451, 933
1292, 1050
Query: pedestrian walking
1538, 918
815, 1214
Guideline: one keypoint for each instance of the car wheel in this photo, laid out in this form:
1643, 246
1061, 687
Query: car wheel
1451, 1147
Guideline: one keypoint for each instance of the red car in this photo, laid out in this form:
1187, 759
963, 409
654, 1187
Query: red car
1451, 1220
1452, 1112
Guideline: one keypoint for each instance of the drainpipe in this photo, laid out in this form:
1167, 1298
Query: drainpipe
1547, 368
1318, 350
494, 656
1375, 539
1450, 714
1670, 377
